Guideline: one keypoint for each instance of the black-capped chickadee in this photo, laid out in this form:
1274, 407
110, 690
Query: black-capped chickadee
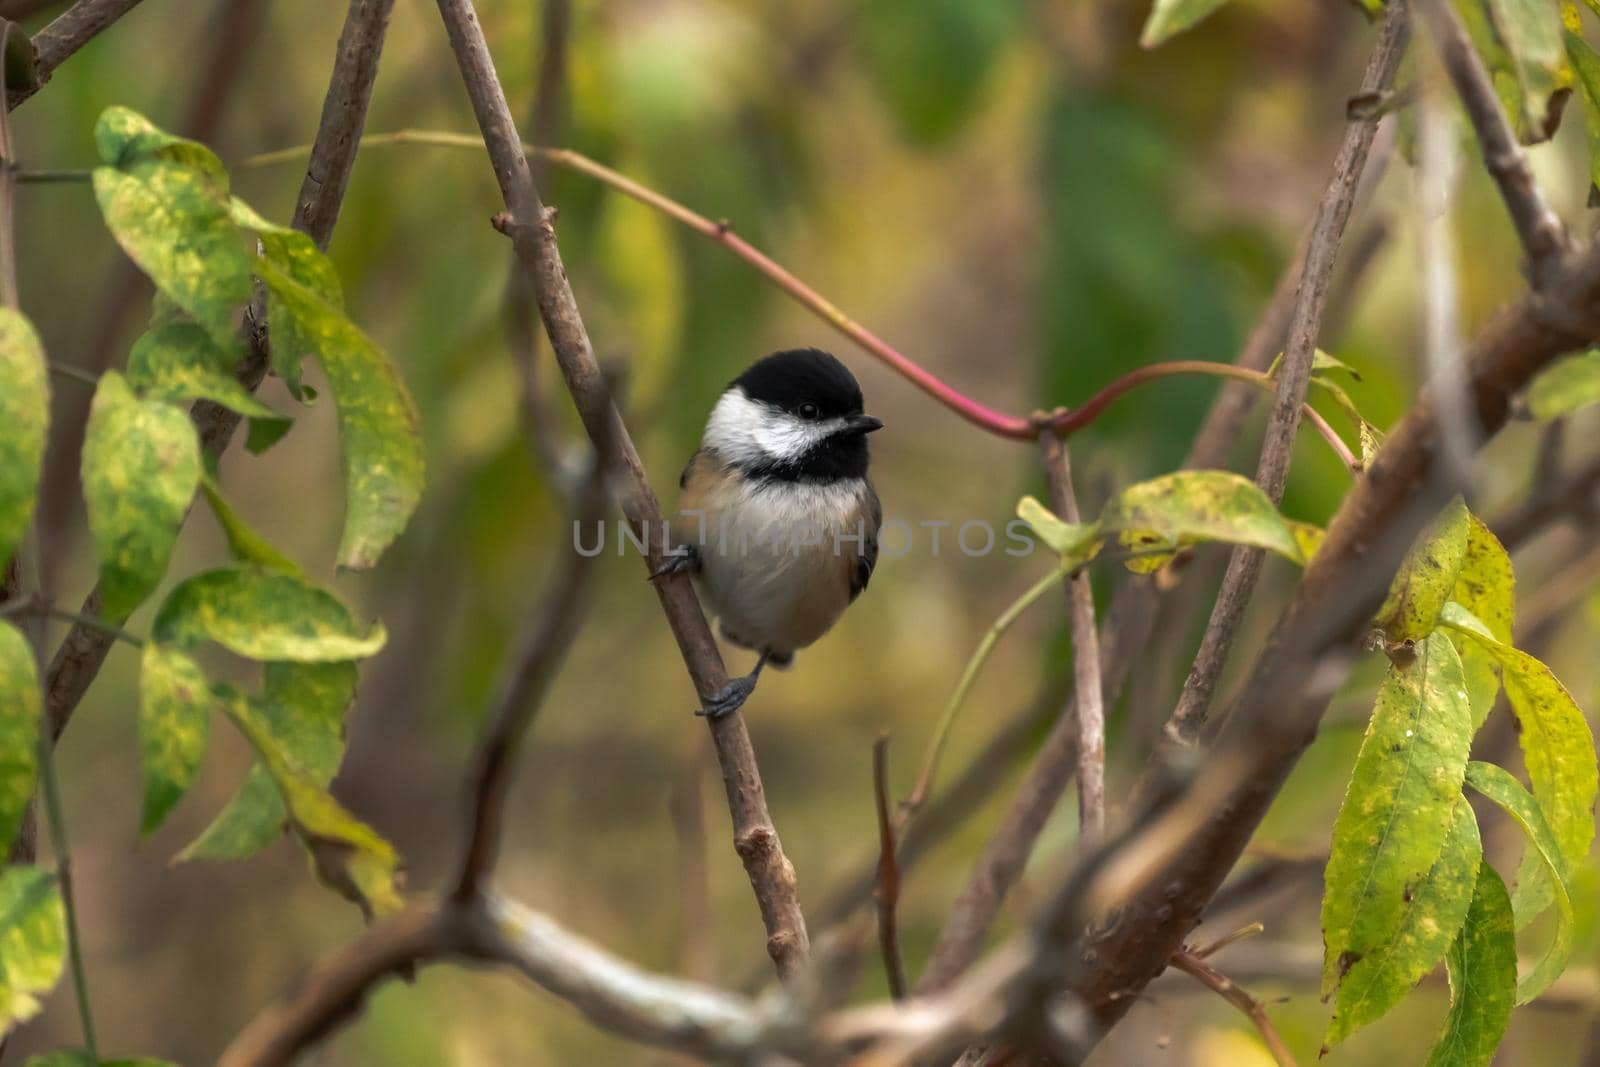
776, 518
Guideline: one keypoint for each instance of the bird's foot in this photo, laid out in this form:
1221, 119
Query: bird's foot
734, 694
685, 559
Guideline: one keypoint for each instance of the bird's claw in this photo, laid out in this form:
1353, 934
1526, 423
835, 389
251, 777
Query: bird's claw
685, 559
733, 695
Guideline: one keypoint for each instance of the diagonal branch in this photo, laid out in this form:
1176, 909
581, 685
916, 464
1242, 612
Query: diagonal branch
533, 237
1294, 376
1192, 963
71, 30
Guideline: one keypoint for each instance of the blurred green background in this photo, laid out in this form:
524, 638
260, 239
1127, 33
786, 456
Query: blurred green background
1012, 193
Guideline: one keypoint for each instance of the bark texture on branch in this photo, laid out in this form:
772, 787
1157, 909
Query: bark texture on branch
70, 31
533, 237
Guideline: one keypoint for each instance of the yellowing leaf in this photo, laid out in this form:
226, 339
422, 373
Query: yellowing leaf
1566, 386
141, 463
165, 200
298, 257
174, 725
1434, 910
1075, 543
1190, 506
1398, 808
33, 942
378, 437
1486, 587
1171, 17
19, 730
1531, 33
246, 545
1426, 578
24, 413
179, 361
264, 615
1483, 978
1496, 784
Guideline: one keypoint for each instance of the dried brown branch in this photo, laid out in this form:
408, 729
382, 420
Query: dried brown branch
70, 31
83, 651
1088, 705
1223, 986
1289, 687
1238, 583
1544, 238
533, 236
551, 629
888, 891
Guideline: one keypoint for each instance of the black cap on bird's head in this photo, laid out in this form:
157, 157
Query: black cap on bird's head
809, 384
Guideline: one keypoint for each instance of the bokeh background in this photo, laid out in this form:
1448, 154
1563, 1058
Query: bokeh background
1015, 195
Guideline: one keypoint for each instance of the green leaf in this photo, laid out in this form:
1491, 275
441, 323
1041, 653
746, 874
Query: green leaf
1530, 30
1568, 385
930, 59
33, 942
1483, 978
303, 705
1486, 587
264, 433
297, 257
1396, 812
1076, 543
378, 437
141, 463
165, 200
179, 361
174, 725
1586, 77
349, 856
1498, 785
644, 303
1426, 577
1558, 749
1434, 910
264, 615
24, 414
19, 730
1189, 506
1171, 17
246, 545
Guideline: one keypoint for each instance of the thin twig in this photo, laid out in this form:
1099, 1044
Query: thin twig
71, 30
75, 374
83, 651
551, 629
888, 892
1544, 238
1294, 375
1087, 688
533, 236
1223, 986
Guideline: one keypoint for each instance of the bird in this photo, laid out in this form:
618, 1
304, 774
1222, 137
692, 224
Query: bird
777, 520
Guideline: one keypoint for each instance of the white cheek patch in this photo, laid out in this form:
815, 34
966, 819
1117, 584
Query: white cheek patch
745, 431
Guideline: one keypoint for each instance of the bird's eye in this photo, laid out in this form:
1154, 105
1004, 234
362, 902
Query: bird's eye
808, 410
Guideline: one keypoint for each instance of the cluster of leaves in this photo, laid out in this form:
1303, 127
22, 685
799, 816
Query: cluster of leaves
1407, 884
167, 203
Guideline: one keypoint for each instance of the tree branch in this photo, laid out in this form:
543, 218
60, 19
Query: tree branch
1087, 697
1219, 983
71, 30
1544, 238
533, 237
888, 892
1294, 375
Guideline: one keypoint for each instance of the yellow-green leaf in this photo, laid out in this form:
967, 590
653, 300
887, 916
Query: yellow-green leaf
297, 256
303, 705
1397, 809
165, 200
1171, 17
141, 463
1434, 910
24, 414
33, 942
1426, 577
1586, 79
19, 730
1486, 587
264, 615
1076, 543
1498, 785
246, 545
174, 725
1558, 749
1530, 32
1482, 963
1191, 506
642, 269
1566, 386
179, 361
378, 437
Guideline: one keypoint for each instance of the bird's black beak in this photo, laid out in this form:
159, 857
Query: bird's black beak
862, 424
